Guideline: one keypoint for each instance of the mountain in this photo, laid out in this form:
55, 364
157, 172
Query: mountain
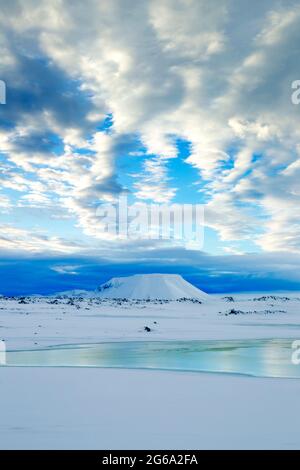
75, 293
150, 286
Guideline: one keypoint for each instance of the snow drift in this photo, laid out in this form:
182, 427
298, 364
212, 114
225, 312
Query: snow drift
150, 286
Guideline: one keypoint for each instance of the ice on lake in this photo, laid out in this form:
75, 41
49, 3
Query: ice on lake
256, 357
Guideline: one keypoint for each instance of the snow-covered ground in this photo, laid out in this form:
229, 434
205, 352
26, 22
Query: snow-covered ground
37, 322
125, 409
99, 408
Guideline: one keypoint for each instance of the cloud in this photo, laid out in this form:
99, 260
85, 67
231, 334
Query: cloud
229, 273
153, 183
66, 269
216, 74
5, 204
14, 239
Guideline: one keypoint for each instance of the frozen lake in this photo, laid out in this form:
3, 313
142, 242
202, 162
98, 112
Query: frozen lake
260, 357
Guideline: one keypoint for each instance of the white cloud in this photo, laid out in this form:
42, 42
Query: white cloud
22, 240
5, 204
66, 269
153, 185
216, 73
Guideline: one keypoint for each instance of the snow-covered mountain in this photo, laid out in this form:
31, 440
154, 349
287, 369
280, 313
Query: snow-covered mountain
150, 286
75, 293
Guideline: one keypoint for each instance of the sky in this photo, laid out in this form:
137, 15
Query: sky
164, 101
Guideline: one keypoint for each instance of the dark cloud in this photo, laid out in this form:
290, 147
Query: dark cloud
37, 86
214, 274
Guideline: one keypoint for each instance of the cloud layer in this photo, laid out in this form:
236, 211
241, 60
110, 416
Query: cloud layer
93, 85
